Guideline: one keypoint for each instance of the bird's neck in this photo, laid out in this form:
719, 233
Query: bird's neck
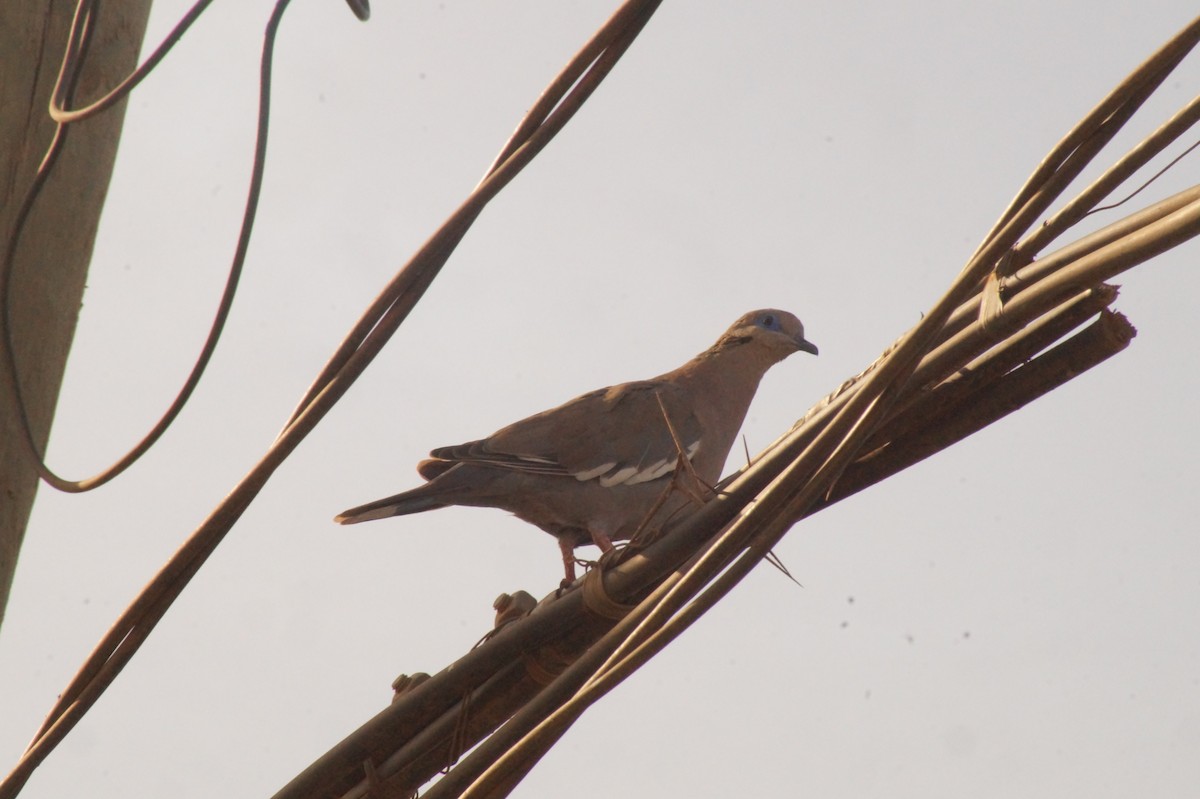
729, 375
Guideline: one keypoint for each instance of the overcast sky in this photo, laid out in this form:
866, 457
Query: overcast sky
1016, 617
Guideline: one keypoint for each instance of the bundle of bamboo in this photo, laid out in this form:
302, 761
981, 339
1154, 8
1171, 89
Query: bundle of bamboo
1008, 330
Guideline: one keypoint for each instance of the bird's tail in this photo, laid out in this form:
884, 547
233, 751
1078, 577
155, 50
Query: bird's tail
414, 501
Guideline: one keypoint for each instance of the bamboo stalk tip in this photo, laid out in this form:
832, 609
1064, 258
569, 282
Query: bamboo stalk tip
1117, 327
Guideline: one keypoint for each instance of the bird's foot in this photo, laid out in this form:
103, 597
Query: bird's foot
602, 541
569, 567
608, 551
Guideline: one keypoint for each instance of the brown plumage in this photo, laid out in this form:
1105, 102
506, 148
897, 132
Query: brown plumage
591, 470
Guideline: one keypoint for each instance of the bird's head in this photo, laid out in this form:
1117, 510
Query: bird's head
777, 332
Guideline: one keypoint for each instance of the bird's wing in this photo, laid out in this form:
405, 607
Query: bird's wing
618, 436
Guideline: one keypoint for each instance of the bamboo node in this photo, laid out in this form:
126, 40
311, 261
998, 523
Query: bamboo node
546, 663
597, 601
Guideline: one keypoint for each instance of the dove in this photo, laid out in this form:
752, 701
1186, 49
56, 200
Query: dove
593, 469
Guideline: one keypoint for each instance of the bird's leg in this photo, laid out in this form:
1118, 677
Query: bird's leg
602, 540
568, 555
567, 547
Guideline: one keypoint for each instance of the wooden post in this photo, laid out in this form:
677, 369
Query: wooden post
50, 267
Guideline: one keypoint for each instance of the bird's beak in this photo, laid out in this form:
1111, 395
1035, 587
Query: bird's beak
804, 345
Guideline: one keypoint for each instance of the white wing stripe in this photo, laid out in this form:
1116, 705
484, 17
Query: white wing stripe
591, 474
632, 475
620, 476
652, 472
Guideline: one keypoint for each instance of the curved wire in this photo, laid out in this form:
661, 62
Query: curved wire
82, 26
80, 30
120, 644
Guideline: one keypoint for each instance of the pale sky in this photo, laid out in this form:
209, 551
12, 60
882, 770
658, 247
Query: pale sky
1016, 617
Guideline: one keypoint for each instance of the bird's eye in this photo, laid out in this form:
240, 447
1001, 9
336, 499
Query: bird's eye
768, 321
